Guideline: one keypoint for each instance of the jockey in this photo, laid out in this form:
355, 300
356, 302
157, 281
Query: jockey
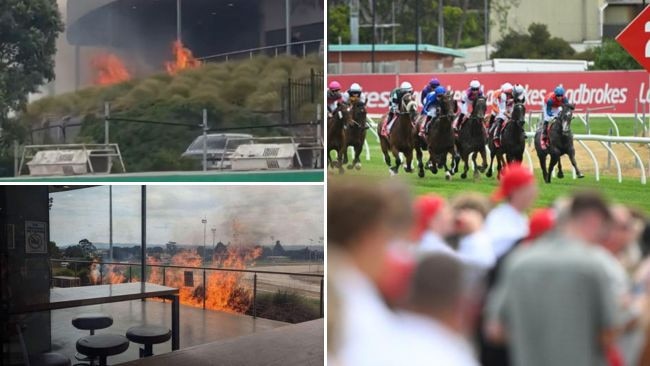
430, 108
395, 99
355, 93
333, 96
431, 86
519, 94
468, 98
554, 101
503, 103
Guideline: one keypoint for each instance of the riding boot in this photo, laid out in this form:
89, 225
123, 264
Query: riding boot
497, 133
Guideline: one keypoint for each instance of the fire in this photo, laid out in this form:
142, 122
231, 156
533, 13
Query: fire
109, 69
183, 59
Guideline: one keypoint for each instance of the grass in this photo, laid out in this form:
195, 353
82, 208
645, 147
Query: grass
630, 191
286, 306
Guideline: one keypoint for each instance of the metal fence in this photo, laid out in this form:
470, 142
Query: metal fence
296, 93
287, 290
299, 49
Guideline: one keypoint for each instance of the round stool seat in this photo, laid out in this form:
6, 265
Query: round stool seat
102, 345
148, 334
49, 359
91, 321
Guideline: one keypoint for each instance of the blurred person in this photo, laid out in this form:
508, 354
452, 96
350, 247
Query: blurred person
553, 303
467, 99
433, 223
542, 221
642, 286
508, 223
334, 97
363, 219
431, 86
474, 245
433, 321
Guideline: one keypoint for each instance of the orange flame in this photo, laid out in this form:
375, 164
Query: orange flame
183, 59
109, 69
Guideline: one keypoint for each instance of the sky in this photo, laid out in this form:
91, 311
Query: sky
245, 215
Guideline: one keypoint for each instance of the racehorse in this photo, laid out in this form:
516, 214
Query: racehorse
561, 143
513, 141
337, 127
356, 134
472, 137
440, 138
401, 137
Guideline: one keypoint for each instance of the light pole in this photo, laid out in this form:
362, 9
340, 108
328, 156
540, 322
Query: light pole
204, 222
214, 233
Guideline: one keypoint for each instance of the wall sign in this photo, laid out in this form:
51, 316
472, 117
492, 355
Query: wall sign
35, 237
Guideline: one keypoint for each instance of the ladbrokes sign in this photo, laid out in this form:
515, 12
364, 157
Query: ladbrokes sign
588, 89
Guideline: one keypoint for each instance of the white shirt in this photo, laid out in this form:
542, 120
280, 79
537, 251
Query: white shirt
476, 249
367, 326
430, 343
432, 242
505, 225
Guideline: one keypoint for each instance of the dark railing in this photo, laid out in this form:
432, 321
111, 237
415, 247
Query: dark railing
298, 92
129, 276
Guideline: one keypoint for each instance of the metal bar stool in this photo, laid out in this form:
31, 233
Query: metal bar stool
148, 335
102, 345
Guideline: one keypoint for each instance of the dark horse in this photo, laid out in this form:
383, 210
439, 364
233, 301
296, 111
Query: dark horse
513, 141
471, 138
337, 135
561, 142
356, 134
440, 138
401, 138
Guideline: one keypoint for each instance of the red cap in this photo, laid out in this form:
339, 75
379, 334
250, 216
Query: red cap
425, 208
398, 269
541, 221
514, 176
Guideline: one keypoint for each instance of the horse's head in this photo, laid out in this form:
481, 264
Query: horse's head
409, 105
480, 105
519, 114
565, 117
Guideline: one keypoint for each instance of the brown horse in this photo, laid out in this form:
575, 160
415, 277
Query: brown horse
472, 137
401, 138
337, 127
440, 138
356, 134
513, 141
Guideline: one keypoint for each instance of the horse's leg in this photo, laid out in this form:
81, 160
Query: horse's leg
329, 158
448, 171
356, 163
560, 173
542, 163
551, 166
342, 154
433, 164
500, 164
489, 170
465, 157
484, 158
398, 162
572, 157
384, 150
408, 154
418, 156
345, 157
477, 169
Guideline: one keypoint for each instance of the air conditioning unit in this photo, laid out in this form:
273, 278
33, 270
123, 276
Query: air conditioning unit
263, 157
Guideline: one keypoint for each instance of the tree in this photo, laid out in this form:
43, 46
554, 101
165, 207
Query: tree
28, 32
73, 251
87, 247
171, 248
338, 23
53, 250
611, 56
537, 44
278, 249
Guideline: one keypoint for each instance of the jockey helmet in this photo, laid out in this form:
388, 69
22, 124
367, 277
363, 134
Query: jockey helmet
475, 85
334, 85
434, 83
506, 88
406, 86
518, 91
355, 88
440, 90
559, 91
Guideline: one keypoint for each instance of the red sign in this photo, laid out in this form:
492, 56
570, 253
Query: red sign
588, 89
635, 38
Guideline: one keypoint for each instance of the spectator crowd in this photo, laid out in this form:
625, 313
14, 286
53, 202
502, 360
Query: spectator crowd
478, 280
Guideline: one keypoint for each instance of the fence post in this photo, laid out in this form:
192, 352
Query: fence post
164, 276
205, 290
289, 96
254, 295
636, 113
313, 86
130, 274
588, 124
322, 280
609, 155
75, 271
101, 274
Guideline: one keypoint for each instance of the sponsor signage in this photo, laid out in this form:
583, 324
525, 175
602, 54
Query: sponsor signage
587, 89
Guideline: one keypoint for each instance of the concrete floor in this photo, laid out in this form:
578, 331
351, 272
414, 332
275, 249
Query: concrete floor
197, 326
